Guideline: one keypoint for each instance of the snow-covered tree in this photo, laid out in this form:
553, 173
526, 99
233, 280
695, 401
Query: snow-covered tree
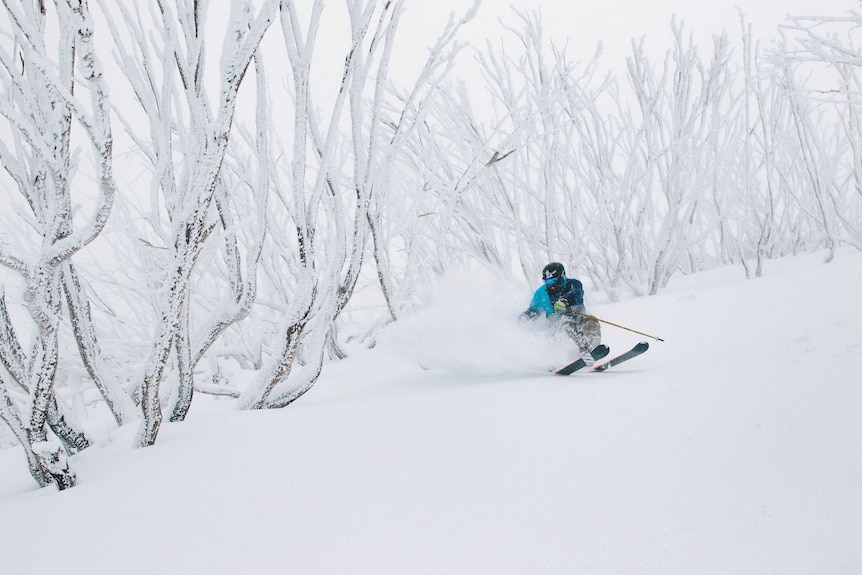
55, 103
332, 184
162, 54
829, 47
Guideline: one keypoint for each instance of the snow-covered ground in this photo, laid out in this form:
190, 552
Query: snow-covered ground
734, 447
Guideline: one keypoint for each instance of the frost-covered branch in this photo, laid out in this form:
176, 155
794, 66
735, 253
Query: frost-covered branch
329, 210
44, 108
170, 88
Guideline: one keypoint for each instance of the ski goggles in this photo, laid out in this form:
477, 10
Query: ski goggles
551, 281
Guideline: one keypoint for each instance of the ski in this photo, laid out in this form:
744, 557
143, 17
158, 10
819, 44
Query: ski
597, 353
633, 352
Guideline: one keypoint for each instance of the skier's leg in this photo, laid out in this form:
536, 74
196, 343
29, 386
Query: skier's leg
586, 332
574, 331
591, 331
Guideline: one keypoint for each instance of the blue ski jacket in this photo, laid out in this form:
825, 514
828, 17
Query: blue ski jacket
543, 300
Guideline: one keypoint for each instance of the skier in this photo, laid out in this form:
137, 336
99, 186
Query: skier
557, 299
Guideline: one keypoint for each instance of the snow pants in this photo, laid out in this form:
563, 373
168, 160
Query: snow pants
586, 332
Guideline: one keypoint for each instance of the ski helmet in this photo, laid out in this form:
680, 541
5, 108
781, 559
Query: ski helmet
553, 270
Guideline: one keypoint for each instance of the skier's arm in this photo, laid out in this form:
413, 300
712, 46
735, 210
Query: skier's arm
540, 305
575, 294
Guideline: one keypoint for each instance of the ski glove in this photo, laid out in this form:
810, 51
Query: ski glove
560, 305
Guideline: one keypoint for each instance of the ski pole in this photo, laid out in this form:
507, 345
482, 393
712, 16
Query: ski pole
588, 316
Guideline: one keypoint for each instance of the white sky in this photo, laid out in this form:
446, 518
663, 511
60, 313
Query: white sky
613, 22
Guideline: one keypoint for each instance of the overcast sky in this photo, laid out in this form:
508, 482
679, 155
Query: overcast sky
584, 23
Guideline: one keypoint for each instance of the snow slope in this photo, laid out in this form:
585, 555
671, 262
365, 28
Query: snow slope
733, 447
